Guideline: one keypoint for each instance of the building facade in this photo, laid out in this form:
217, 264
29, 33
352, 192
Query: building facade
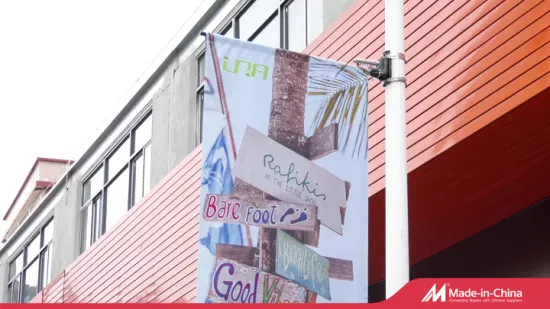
125, 215
157, 126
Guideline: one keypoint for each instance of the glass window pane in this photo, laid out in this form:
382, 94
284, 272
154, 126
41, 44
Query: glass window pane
16, 266
202, 69
314, 20
147, 170
296, 14
137, 168
46, 266
198, 117
33, 248
143, 134
86, 226
93, 185
14, 290
30, 281
269, 36
120, 157
117, 200
255, 16
228, 32
97, 226
47, 233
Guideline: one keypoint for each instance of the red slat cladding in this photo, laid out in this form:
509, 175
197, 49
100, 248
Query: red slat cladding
53, 292
150, 255
469, 64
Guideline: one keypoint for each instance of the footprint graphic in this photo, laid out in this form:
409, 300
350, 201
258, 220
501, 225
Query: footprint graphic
288, 212
302, 217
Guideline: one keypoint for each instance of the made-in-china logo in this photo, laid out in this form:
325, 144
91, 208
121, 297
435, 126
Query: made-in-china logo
445, 293
435, 295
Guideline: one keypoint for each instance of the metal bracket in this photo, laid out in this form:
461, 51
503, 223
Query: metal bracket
390, 55
394, 79
381, 69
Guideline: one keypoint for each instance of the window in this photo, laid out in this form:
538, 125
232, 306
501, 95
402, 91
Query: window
30, 270
138, 170
117, 199
94, 184
30, 279
120, 181
304, 23
254, 16
201, 69
289, 24
198, 122
90, 222
269, 34
118, 160
143, 134
296, 20
228, 32
200, 100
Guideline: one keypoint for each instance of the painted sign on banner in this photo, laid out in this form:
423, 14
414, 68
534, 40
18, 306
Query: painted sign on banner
284, 143
300, 264
286, 175
266, 213
237, 283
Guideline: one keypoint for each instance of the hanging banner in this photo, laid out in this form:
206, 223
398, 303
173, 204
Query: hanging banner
284, 194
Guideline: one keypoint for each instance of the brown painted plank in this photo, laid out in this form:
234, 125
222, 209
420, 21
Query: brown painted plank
311, 297
268, 249
245, 190
241, 254
323, 142
340, 269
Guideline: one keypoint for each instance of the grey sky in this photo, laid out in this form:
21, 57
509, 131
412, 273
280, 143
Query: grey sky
64, 65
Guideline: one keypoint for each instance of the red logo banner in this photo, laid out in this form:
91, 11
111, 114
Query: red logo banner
419, 293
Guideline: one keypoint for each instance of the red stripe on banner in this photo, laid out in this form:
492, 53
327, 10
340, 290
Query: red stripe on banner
419, 293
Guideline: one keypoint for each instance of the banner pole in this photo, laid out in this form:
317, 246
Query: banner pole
397, 224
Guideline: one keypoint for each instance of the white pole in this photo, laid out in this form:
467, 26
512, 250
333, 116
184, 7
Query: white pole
397, 218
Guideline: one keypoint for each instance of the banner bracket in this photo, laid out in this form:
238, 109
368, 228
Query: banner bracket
381, 69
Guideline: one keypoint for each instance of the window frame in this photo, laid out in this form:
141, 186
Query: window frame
199, 114
98, 213
232, 22
43, 247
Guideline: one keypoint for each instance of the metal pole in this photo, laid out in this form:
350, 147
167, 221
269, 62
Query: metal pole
397, 218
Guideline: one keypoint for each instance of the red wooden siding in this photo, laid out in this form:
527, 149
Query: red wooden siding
464, 58
469, 64
53, 293
149, 256
478, 131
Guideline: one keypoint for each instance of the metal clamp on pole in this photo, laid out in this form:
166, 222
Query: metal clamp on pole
382, 69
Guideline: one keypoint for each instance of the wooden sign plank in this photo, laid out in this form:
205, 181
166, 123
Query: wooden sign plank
263, 213
268, 249
302, 265
284, 174
233, 282
340, 269
241, 254
323, 142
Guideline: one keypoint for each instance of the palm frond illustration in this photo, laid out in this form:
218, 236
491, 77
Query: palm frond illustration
342, 89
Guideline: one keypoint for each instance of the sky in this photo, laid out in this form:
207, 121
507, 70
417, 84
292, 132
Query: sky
64, 66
